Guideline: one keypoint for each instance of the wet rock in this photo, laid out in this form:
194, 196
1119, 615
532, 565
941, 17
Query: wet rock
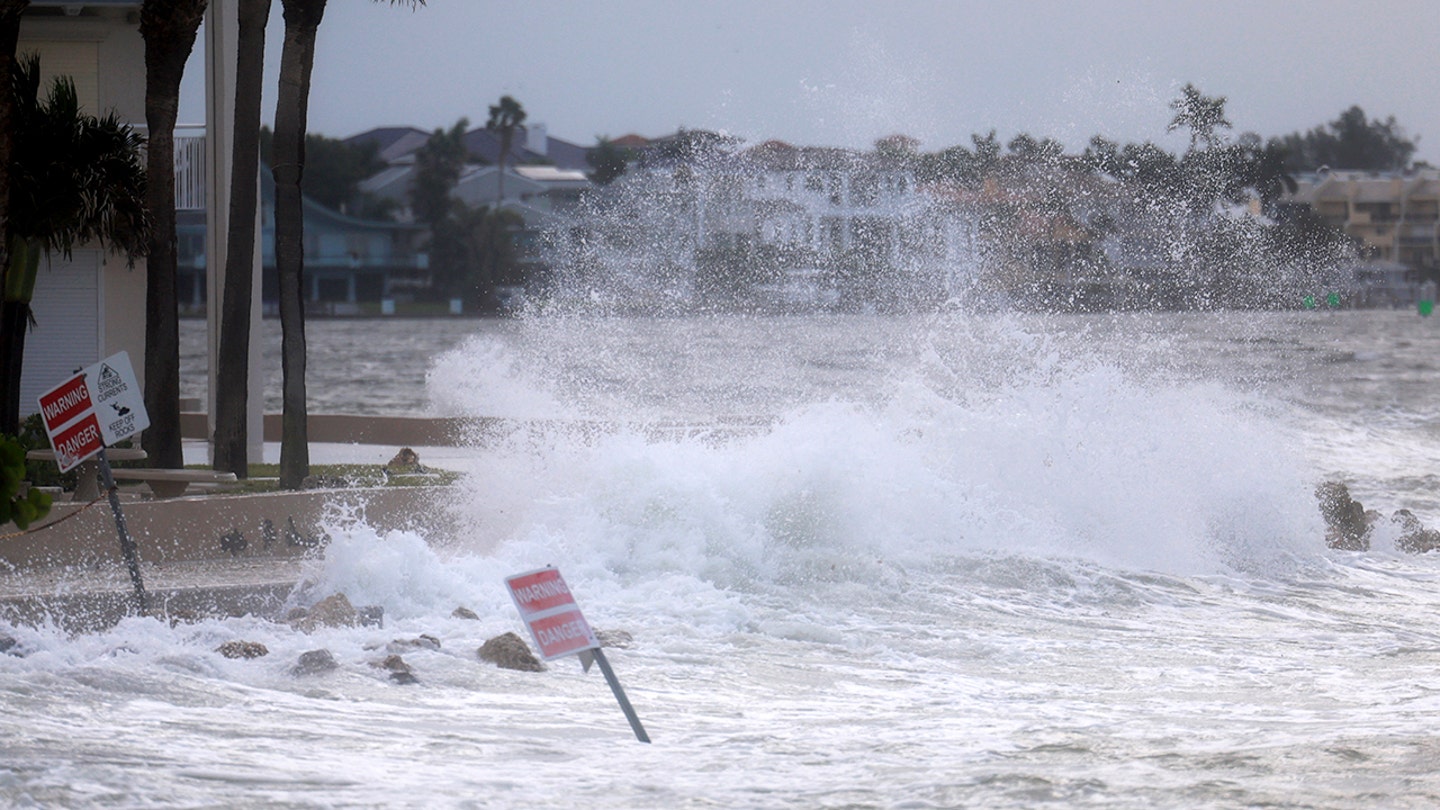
509, 651
242, 649
405, 461
1347, 524
324, 482
424, 642
332, 611
619, 639
464, 613
8, 644
400, 671
314, 662
371, 616
1414, 537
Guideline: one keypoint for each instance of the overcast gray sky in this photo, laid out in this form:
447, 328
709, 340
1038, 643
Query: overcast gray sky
846, 72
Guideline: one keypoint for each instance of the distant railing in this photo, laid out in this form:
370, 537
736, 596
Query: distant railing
189, 168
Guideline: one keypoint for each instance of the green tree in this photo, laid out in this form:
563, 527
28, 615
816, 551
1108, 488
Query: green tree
1351, 141
608, 161
437, 168
232, 394
73, 178
168, 28
334, 170
505, 118
1203, 115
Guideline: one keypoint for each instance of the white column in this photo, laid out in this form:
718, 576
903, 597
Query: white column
221, 43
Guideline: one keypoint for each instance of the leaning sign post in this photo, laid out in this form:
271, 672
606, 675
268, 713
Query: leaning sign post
99, 406
555, 622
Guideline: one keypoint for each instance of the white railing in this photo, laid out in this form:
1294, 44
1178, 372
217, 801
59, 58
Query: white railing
189, 168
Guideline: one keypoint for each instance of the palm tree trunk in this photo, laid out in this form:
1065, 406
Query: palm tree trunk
20, 271
232, 393
14, 318
168, 28
297, 58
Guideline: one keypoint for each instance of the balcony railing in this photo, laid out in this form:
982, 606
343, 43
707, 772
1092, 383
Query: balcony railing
189, 168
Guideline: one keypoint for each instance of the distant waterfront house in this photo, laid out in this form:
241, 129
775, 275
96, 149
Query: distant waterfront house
533, 145
544, 176
348, 261
698, 214
1395, 216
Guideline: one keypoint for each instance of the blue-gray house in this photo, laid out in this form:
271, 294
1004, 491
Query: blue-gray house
348, 261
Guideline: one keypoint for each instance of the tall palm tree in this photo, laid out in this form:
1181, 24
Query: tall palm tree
73, 178
168, 28
233, 362
505, 118
297, 58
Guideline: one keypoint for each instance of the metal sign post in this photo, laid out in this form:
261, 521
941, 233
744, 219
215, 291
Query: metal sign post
127, 543
99, 406
559, 629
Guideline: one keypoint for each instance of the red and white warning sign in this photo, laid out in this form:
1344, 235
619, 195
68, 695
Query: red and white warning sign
549, 610
100, 406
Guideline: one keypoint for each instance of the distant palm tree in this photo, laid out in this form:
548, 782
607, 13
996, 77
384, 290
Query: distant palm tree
232, 378
73, 178
168, 28
1199, 113
505, 118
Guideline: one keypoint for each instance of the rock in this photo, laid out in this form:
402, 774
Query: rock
405, 461
242, 649
619, 639
314, 662
400, 671
464, 613
1346, 521
1414, 537
7, 644
424, 642
324, 482
371, 616
509, 651
332, 611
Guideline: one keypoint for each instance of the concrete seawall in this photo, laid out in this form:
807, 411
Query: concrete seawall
200, 555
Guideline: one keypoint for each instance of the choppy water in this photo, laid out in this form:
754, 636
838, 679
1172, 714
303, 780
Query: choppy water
948, 562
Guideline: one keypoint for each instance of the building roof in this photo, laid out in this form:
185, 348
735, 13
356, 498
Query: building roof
394, 144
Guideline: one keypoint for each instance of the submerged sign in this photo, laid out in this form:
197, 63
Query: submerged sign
100, 406
549, 611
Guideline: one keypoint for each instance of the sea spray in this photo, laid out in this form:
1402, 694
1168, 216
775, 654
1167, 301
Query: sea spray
1011, 443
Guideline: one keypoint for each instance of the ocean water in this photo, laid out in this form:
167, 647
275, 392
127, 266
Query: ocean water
912, 562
